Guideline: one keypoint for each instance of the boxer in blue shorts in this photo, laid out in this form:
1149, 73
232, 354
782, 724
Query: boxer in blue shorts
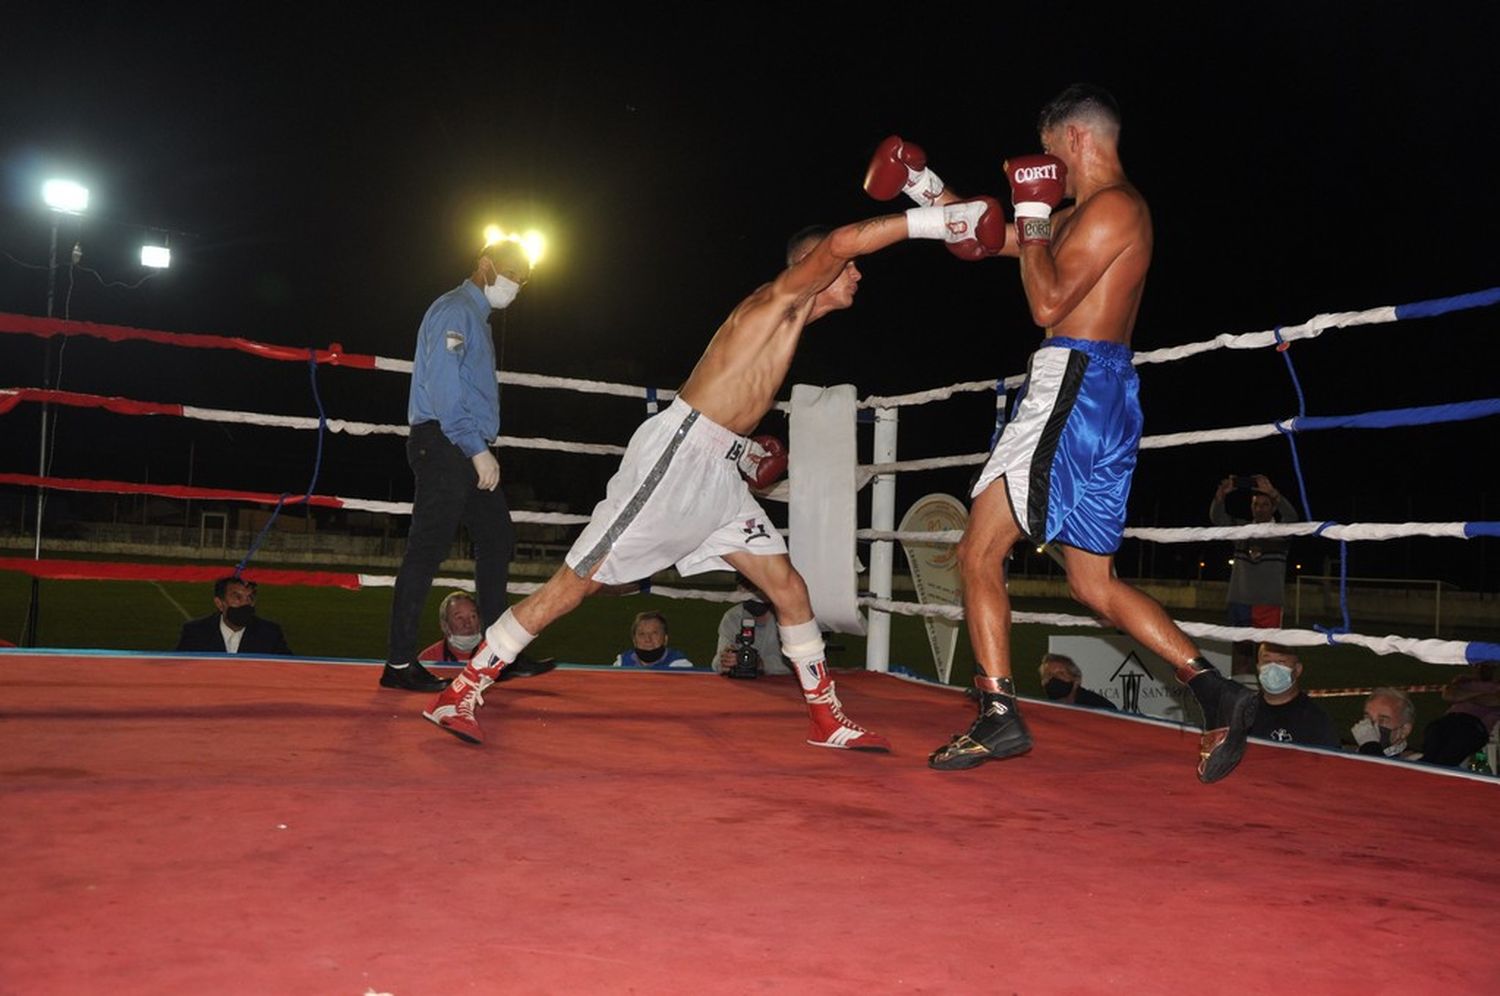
1060, 472
1068, 454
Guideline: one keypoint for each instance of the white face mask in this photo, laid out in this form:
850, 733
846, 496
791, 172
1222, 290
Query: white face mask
502, 292
1275, 678
464, 644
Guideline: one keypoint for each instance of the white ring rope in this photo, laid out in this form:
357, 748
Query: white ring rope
936, 394
354, 428
1431, 651
372, 428
1191, 534
528, 587
1310, 329
1169, 440
404, 508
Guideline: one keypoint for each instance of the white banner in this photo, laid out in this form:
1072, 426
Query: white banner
821, 453
934, 570
1133, 678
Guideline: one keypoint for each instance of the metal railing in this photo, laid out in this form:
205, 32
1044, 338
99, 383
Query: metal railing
1403, 588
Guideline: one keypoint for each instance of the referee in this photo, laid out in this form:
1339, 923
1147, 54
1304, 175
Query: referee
454, 414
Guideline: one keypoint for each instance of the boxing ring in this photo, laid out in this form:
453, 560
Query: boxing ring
177, 824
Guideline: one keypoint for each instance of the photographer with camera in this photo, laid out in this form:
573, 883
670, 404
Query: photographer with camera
749, 644
1257, 581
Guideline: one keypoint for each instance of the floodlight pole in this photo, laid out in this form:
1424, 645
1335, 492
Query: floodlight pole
33, 605
41, 466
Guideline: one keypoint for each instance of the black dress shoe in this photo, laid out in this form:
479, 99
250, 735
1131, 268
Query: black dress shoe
527, 667
411, 678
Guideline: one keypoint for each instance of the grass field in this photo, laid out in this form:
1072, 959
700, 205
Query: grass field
330, 622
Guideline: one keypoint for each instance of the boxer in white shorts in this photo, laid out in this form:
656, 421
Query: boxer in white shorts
678, 497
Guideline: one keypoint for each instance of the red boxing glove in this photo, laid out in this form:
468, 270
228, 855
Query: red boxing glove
899, 165
764, 461
1036, 187
973, 229
988, 231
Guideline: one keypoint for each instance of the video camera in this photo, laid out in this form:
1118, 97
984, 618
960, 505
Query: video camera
746, 657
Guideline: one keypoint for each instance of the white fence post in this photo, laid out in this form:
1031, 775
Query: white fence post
882, 552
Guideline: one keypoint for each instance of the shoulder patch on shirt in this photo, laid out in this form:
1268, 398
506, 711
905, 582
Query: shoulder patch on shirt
453, 340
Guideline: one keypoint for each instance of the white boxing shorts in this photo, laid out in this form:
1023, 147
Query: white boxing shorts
677, 499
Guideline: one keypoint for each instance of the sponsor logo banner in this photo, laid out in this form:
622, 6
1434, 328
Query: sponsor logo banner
934, 570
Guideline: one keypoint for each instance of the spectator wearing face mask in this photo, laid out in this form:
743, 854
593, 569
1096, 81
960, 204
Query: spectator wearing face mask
1388, 721
648, 645
1286, 713
458, 618
234, 628
1062, 681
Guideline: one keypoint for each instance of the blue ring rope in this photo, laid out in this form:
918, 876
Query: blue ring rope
312, 369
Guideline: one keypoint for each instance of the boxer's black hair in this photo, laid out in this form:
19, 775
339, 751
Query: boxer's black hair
802, 235
1081, 100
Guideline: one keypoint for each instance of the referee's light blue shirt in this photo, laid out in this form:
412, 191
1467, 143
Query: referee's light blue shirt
453, 374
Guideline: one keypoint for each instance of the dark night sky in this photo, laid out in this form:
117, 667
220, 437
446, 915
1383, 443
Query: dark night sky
335, 173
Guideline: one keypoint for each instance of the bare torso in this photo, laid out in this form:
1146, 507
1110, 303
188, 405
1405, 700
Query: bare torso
1108, 310
736, 379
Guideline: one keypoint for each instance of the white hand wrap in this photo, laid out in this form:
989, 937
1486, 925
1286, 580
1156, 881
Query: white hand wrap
750, 460
950, 222
924, 187
1033, 209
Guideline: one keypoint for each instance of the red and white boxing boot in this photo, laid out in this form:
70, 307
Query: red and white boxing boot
453, 710
828, 726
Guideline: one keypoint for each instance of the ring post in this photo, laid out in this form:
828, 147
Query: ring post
882, 552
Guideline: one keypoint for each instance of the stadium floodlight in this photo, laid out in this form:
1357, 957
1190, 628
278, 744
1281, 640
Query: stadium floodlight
66, 196
532, 242
156, 257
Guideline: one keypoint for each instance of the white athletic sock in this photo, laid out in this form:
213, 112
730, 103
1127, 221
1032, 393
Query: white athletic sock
507, 638
803, 646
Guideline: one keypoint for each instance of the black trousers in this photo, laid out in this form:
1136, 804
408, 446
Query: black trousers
447, 494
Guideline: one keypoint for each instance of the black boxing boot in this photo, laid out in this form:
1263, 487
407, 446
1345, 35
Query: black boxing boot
998, 733
1228, 710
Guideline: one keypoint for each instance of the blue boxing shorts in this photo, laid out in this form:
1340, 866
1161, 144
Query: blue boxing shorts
1068, 453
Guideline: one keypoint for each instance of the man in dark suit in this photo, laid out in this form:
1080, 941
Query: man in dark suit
235, 628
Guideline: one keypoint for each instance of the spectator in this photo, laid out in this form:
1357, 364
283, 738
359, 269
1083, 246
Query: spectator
234, 628
454, 412
1062, 681
1257, 581
458, 617
1287, 714
1467, 726
648, 645
755, 611
1388, 722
